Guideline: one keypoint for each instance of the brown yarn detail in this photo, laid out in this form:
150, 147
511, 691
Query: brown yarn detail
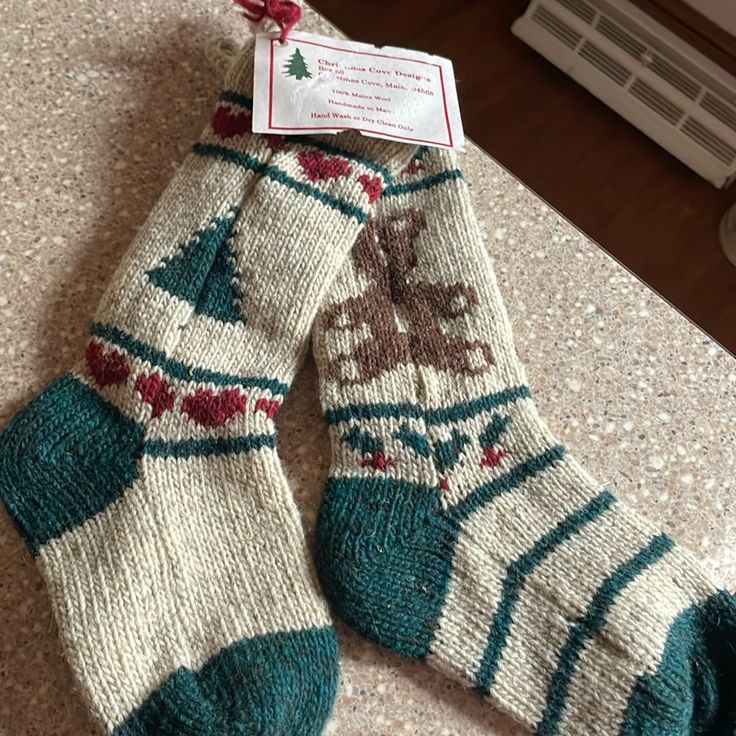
386, 254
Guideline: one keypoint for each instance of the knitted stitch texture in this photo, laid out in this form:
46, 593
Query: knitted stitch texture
146, 481
456, 528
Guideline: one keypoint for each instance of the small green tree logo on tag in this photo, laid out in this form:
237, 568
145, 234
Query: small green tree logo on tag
297, 67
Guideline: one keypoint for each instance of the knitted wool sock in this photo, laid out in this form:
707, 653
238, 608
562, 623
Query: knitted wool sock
455, 527
146, 481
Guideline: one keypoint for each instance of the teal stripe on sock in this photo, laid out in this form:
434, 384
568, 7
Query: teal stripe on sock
236, 157
468, 409
341, 205
237, 99
177, 369
372, 411
208, 446
455, 413
508, 481
516, 577
423, 184
276, 174
592, 622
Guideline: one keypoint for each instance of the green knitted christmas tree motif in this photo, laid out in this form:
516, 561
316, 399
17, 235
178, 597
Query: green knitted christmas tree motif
204, 273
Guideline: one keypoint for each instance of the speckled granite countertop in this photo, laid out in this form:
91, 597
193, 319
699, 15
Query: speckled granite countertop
100, 101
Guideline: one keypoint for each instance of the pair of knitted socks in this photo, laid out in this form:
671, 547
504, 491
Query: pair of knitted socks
453, 528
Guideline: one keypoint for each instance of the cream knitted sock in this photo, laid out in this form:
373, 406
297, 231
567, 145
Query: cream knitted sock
456, 528
146, 480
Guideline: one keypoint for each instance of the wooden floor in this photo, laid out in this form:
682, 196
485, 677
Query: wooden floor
634, 199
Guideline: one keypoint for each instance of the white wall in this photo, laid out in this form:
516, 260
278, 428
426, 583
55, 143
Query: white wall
721, 12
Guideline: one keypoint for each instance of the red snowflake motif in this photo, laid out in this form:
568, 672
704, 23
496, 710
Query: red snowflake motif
154, 390
492, 457
108, 368
210, 409
378, 461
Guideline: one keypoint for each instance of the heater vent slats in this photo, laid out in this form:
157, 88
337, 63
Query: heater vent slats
719, 109
583, 10
651, 77
625, 41
709, 140
672, 75
556, 27
603, 62
656, 102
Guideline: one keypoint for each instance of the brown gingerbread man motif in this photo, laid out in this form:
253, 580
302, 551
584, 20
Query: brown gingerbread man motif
386, 254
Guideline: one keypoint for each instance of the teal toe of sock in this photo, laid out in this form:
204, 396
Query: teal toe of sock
694, 689
281, 684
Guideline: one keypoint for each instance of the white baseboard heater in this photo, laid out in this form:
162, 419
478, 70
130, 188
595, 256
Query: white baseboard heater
654, 79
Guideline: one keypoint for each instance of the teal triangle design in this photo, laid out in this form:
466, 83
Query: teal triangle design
204, 272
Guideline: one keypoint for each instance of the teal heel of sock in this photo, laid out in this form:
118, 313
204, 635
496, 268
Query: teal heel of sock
384, 559
694, 688
281, 684
63, 458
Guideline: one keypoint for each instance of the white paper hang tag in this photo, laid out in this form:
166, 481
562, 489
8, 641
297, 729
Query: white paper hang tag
317, 84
